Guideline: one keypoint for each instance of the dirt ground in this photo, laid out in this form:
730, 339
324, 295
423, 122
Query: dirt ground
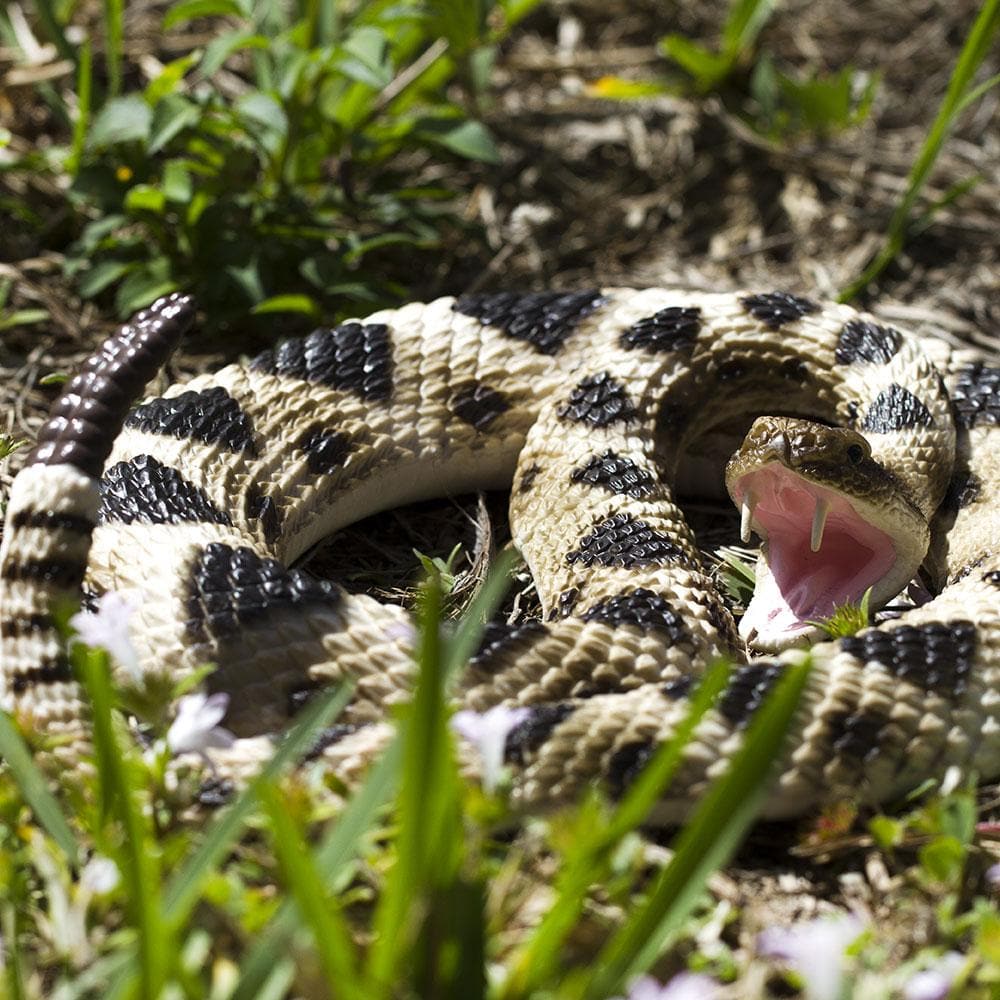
680, 192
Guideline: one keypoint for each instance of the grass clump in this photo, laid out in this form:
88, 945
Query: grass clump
389, 893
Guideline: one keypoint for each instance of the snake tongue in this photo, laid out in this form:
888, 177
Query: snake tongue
819, 553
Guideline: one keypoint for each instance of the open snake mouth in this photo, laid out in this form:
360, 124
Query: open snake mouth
820, 553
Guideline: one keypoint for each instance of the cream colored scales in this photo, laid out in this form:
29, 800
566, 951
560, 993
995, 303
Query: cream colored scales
584, 403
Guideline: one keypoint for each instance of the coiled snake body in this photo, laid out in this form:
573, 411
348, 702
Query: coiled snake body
585, 402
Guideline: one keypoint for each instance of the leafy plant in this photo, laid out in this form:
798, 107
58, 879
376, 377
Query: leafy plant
262, 170
847, 618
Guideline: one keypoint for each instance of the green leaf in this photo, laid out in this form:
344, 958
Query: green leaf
707, 68
177, 185
145, 198
173, 114
263, 110
369, 46
188, 10
287, 303
123, 119
143, 285
220, 49
169, 78
943, 859
102, 274
743, 24
470, 139
35, 789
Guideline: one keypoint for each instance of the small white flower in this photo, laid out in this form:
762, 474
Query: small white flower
683, 986
992, 876
488, 731
99, 876
107, 627
815, 949
196, 725
935, 982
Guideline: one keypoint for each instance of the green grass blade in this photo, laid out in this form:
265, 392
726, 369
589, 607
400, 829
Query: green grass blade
182, 891
121, 794
114, 13
466, 638
84, 81
12, 966
540, 958
330, 935
957, 97
426, 841
744, 23
35, 789
335, 852
710, 837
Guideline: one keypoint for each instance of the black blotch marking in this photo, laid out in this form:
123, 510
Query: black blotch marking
64, 574
616, 474
530, 734
794, 370
528, 477
542, 319
19, 625
297, 697
211, 416
621, 540
231, 588
214, 793
964, 489
500, 637
853, 408
857, 734
992, 577
672, 329
722, 621
936, 656
263, 508
747, 690
976, 399
353, 357
325, 450
328, 737
677, 689
599, 400
49, 520
565, 604
627, 763
145, 491
52, 670
896, 409
775, 309
643, 608
862, 340
478, 404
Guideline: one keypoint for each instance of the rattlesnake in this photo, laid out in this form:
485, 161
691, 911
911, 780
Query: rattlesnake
583, 404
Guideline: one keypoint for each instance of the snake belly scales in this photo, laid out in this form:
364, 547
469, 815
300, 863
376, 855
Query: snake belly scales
581, 403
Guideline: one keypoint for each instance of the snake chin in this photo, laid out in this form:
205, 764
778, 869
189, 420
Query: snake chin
819, 553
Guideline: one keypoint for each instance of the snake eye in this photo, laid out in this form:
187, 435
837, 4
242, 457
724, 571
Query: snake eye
855, 454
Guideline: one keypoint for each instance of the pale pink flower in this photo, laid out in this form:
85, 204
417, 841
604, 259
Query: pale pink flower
934, 983
196, 726
488, 732
107, 627
815, 950
683, 986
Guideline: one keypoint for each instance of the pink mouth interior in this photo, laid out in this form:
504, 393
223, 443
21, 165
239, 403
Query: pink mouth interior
803, 584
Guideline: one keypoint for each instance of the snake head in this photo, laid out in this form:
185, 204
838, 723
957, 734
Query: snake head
835, 522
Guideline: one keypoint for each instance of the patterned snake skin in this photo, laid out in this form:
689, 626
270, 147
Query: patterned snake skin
586, 402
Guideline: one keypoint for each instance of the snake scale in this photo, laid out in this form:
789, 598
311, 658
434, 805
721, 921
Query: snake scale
875, 452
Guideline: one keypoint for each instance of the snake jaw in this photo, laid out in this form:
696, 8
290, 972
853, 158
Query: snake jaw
820, 552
